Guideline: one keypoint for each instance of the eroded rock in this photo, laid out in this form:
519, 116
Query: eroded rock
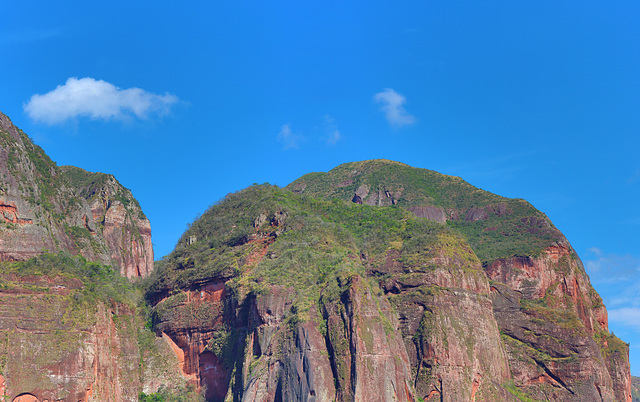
46, 207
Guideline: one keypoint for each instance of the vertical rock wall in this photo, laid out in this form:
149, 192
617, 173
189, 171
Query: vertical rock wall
46, 207
54, 350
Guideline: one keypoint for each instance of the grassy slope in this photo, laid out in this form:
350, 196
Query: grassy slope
318, 243
75, 313
512, 234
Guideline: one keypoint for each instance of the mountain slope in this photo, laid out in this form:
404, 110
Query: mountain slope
47, 207
343, 290
73, 328
495, 226
374, 281
289, 278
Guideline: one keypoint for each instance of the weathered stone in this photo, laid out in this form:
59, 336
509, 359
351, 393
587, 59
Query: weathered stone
65, 208
51, 356
430, 212
552, 345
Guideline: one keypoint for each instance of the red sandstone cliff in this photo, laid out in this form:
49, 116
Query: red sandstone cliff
555, 329
54, 350
60, 337
273, 296
46, 207
427, 330
417, 316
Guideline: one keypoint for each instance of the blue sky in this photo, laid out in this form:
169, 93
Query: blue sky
184, 104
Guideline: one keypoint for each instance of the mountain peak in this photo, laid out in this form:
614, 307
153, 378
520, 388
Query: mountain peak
49, 207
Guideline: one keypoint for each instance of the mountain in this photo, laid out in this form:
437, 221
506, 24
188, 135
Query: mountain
635, 388
373, 281
72, 327
380, 281
47, 207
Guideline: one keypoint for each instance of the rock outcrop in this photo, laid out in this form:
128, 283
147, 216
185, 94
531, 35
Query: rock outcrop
47, 207
55, 350
553, 325
555, 328
72, 329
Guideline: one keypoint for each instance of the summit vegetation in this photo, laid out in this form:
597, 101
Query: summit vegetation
319, 242
495, 226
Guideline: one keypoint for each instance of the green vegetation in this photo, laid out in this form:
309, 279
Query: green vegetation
525, 351
509, 236
320, 244
99, 282
518, 393
47, 178
64, 297
551, 309
181, 394
510, 227
308, 241
223, 344
635, 388
611, 346
89, 185
416, 186
87, 182
80, 235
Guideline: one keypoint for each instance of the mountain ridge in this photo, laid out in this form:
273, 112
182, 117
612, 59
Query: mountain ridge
544, 327
67, 208
373, 281
432, 195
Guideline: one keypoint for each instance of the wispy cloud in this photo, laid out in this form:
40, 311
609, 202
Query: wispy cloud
635, 177
633, 221
616, 277
332, 134
612, 268
392, 106
96, 99
627, 316
504, 167
288, 138
26, 36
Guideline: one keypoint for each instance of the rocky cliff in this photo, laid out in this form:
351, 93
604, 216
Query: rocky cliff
374, 281
635, 388
72, 327
47, 207
73, 330
378, 281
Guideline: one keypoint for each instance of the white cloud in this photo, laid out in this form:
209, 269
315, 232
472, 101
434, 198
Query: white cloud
595, 250
634, 178
616, 277
95, 99
288, 138
334, 137
392, 106
612, 268
627, 316
332, 134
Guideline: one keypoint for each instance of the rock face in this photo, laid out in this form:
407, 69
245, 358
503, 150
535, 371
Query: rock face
635, 388
71, 329
61, 339
555, 328
46, 207
416, 286
54, 350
